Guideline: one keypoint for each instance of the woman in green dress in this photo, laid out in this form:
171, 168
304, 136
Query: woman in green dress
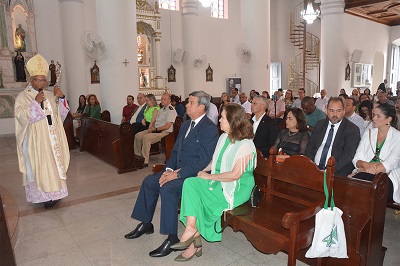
93, 108
205, 197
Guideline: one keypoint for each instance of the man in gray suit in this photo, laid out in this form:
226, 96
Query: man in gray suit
334, 136
192, 152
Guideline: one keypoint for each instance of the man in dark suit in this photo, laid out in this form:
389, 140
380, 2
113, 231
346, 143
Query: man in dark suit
192, 152
334, 136
265, 128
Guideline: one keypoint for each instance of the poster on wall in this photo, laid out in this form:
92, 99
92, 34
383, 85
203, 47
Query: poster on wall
233, 82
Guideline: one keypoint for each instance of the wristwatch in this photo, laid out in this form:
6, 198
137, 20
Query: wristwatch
178, 175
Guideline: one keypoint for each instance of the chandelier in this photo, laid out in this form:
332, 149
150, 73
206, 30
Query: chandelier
205, 3
309, 14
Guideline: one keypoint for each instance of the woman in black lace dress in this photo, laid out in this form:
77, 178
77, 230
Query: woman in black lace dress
294, 138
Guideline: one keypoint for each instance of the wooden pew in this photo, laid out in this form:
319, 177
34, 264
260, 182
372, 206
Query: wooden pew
364, 206
110, 142
290, 198
69, 131
168, 141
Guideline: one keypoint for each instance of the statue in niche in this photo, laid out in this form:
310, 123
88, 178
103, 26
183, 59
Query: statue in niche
209, 74
52, 68
19, 62
20, 38
143, 79
347, 74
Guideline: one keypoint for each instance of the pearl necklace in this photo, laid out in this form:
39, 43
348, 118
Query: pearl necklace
290, 135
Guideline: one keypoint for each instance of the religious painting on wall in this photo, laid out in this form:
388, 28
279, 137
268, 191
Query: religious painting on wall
95, 74
362, 75
233, 82
209, 74
171, 74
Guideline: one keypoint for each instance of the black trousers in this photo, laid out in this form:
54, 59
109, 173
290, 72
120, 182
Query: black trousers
370, 177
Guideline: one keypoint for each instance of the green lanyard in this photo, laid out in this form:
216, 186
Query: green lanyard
378, 151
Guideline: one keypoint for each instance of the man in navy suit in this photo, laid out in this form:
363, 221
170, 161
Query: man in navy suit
192, 152
265, 128
334, 136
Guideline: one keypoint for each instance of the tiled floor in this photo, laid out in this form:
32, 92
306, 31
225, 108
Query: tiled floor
87, 228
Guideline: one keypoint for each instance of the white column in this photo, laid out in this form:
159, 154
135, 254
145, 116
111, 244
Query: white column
31, 28
116, 24
333, 54
255, 21
190, 14
74, 67
10, 33
159, 80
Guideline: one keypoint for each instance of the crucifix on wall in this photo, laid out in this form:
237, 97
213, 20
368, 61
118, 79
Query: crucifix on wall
125, 62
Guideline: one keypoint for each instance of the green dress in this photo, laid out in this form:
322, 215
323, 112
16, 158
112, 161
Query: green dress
204, 199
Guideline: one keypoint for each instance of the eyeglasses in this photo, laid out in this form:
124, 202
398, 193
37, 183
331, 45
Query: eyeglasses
40, 80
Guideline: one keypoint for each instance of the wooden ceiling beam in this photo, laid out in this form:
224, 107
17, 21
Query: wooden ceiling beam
359, 3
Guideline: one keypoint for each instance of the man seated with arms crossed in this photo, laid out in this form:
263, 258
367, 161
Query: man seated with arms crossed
128, 109
138, 115
349, 113
160, 126
192, 152
264, 127
334, 136
313, 114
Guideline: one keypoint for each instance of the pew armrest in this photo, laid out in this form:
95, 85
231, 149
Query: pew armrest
292, 218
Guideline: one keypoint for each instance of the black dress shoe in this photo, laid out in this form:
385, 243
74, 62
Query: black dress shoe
146, 165
51, 203
140, 230
164, 249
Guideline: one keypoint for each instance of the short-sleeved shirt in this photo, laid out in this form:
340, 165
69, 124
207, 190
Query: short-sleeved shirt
280, 106
128, 111
246, 106
148, 113
165, 115
314, 117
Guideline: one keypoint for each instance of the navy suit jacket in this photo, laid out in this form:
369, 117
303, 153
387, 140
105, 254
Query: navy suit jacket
266, 134
193, 153
140, 116
344, 145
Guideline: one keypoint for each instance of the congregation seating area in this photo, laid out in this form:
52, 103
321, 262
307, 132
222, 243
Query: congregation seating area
291, 195
113, 143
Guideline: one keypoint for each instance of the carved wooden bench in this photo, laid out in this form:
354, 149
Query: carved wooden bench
291, 195
168, 141
110, 142
364, 206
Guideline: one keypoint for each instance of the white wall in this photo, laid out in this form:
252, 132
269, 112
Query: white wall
370, 37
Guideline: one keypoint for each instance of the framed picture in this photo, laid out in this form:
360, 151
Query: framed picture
209, 74
233, 82
171, 74
94, 74
362, 75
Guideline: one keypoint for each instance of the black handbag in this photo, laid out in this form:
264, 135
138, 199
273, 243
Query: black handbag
253, 201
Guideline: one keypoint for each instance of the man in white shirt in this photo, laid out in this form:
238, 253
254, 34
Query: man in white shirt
322, 102
212, 113
297, 102
245, 104
276, 108
235, 96
349, 113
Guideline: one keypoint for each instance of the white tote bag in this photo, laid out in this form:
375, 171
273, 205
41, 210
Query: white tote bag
329, 236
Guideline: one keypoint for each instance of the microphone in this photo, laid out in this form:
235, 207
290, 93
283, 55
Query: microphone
41, 103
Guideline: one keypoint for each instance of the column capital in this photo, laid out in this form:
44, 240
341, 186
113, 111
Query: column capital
78, 1
332, 7
190, 7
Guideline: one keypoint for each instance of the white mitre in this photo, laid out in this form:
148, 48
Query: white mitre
37, 65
